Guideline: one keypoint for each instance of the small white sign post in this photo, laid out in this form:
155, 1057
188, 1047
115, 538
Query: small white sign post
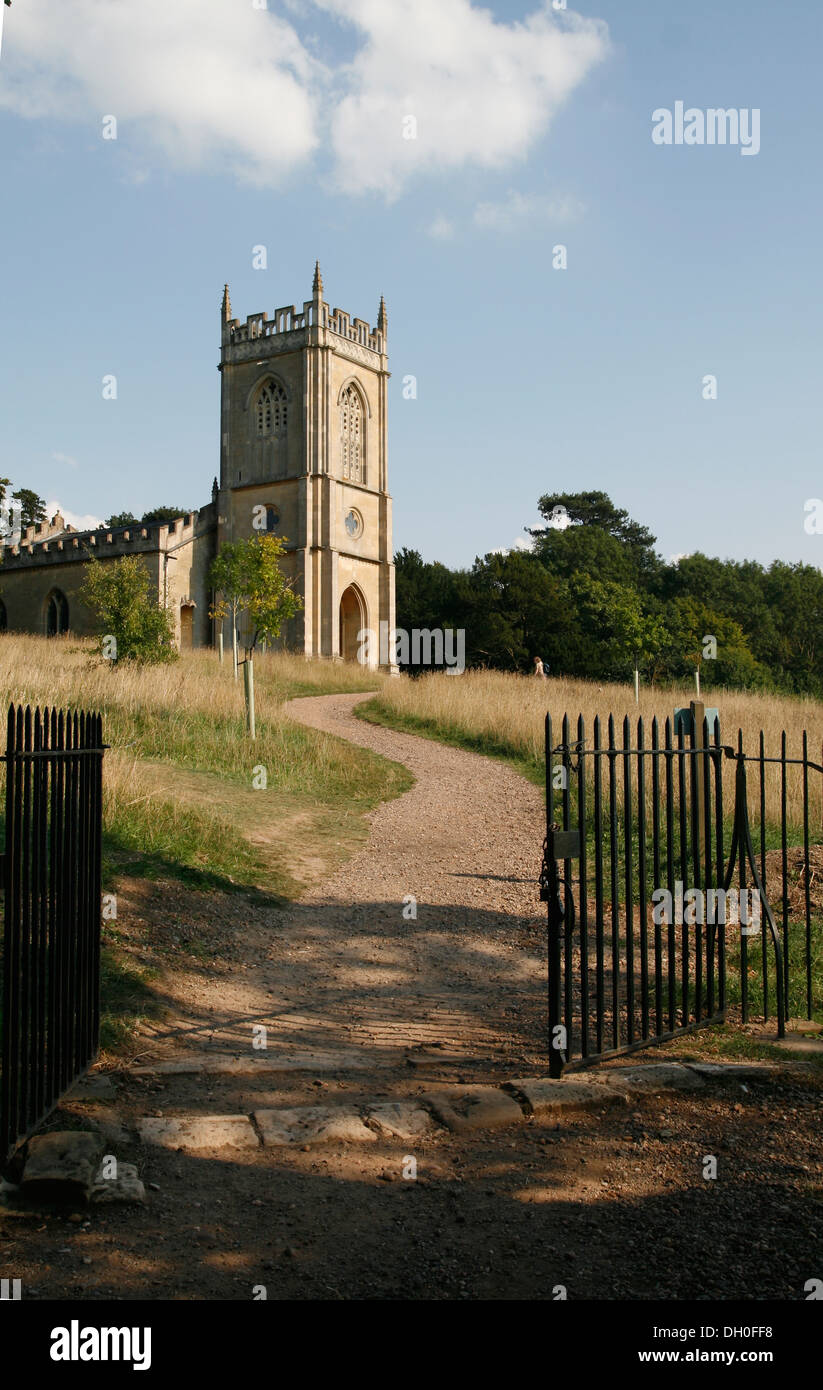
248, 680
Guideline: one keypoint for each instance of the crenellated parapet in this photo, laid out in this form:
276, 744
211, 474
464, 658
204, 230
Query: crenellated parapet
288, 320
107, 542
42, 530
290, 328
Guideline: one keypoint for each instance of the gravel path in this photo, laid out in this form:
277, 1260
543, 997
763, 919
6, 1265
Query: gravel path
344, 979
354, 973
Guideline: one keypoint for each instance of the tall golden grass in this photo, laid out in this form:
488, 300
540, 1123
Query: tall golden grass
63, 671
505, 712
190, 713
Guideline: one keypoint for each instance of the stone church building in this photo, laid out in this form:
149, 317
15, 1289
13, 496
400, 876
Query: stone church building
303, 455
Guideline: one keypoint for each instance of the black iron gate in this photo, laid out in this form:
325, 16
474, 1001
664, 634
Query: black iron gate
51, 937
643, 898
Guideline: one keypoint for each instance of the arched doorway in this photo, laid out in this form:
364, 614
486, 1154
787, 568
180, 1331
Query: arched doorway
187, 608
57, 613
352, 619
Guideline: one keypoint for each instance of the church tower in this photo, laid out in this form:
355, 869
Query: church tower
303, 455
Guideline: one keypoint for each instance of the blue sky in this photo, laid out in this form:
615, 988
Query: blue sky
239, 127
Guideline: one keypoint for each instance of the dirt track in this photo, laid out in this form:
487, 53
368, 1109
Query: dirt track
602, 1205
355, 965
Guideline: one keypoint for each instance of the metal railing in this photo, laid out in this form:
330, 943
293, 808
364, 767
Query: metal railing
51, 934
644, 845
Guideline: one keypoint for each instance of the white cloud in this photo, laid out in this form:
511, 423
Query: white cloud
519, 210
230, 87
519, 544
80, 523
441, 229
209, 84
481, 92
66, 459
558, 519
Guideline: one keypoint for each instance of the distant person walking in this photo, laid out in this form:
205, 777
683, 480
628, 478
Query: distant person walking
538, 667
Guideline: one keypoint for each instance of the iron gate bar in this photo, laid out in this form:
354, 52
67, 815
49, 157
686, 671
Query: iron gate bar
806, 883
627, 879
658, 945
566, 862
784, 858
600, 977
615, 943
720, 867
584, 909
51, 938
698, 839
641, 885
742, 844
682, 816
724, 749
697, 858
53, 755
744, 940
671, 953
693, 839
763, 867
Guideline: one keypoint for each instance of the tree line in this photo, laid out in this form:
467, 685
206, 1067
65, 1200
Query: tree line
592, 597
33, 510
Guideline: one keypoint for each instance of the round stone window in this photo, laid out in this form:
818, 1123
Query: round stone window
354, 524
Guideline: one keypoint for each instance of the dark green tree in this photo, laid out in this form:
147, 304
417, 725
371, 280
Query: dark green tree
163, 514
596, 511
699, 638
429, 595
517, 612
33, 507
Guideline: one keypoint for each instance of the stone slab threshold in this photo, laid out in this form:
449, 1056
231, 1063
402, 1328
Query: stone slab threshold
458, 1109
71, 1166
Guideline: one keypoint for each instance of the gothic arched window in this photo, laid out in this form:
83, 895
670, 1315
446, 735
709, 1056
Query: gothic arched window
57, 614
351, 436
271, 409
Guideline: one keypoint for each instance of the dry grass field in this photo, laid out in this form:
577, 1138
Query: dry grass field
179, 798
504, 714
187, 717
168, 726
180, 803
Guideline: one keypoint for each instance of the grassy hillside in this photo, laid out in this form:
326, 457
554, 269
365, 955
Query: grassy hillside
503, 714
179, 802
179, 798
